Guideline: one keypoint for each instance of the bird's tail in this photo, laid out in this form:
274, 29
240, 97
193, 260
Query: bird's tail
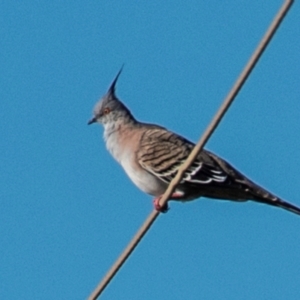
261, 195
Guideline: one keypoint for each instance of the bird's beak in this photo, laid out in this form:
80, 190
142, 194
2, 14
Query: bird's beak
91, 121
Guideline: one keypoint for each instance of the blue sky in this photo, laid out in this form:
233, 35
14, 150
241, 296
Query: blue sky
68, 210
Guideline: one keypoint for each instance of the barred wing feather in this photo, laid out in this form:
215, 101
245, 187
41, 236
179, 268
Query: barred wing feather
162, 153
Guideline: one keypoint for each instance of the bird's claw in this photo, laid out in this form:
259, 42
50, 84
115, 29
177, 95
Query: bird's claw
158, 207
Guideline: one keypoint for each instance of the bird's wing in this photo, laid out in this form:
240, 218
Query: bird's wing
162, 152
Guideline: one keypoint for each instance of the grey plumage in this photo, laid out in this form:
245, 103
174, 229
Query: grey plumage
151, 156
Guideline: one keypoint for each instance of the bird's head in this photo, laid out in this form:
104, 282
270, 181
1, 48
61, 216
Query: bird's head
109, 108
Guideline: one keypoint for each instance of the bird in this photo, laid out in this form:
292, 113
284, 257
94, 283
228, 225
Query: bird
151, 156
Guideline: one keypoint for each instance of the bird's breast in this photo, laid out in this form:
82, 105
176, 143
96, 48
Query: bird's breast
124, 151
144, 180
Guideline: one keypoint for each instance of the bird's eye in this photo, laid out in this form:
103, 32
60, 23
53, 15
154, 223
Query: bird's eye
106, 110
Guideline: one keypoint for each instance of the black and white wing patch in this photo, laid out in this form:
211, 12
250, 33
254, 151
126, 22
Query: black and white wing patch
201, 173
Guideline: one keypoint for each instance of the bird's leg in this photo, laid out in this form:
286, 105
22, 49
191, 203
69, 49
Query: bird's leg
165, 207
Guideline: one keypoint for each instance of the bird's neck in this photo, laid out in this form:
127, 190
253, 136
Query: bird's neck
114, 127
113, 133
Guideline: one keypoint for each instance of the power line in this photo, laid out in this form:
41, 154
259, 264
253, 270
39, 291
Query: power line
208, 132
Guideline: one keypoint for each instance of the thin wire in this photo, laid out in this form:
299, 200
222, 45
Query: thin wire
208, 132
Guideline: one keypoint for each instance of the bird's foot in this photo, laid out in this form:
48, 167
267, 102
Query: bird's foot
158, 207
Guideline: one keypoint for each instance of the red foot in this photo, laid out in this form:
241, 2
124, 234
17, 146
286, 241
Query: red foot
158, 207
165, 208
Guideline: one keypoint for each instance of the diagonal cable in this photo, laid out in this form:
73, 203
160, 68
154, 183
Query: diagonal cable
208, 132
